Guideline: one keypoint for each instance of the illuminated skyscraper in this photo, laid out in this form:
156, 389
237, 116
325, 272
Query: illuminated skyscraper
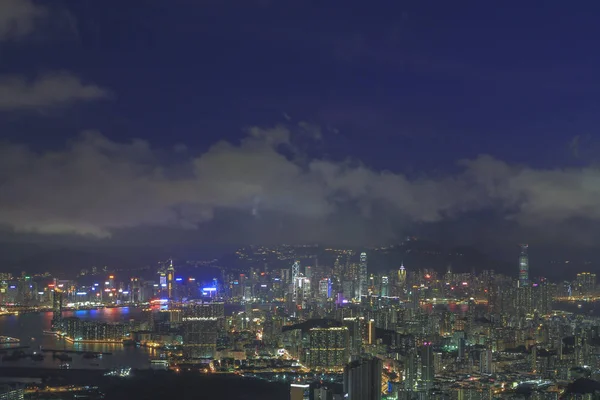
385, 287
57, 309
523, 267
302, 290
295, 275
402, 276
170, 279
325, 288
363, 275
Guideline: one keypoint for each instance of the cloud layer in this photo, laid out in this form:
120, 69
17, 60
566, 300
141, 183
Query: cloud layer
19, 18
50, 90
95, 186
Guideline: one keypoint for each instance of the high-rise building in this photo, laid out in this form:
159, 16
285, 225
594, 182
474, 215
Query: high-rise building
57, 300
485, 361
200, 336
385, 286
585, 283
12, 392
328, 348
170, 279
78, 330
362, 379
363, 275
325, 288
410, 373
427, 365
302, 291
523, 267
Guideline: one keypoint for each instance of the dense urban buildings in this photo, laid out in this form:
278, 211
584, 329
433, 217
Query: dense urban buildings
336, 327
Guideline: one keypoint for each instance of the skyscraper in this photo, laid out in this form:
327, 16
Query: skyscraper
362, 379
427, 369
57, 300
402, 277
170, 279
363, 275
523, 267
385, 286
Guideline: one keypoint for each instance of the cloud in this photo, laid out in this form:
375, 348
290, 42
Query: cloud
18, 18
95, 186
50, 90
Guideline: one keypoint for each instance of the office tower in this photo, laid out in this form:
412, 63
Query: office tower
328, 348
362, 379
135, 290
325, 288
523, 267
402, 276
427, 369
385, 287
162, 282
363, 275
371, 332
170, 279
295, 275
57, 301
301, 292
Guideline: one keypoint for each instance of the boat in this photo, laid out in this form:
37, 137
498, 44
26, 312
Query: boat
159, 364
37, 357
8, 340
90, 355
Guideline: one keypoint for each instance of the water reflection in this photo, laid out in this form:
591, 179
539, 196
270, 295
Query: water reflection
29, 329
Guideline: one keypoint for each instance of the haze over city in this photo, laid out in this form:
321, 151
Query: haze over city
195, 182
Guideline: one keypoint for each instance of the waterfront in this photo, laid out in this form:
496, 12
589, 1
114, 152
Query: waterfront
29, 329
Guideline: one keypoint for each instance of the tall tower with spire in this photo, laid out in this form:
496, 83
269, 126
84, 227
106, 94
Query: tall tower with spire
170, 278
524, 267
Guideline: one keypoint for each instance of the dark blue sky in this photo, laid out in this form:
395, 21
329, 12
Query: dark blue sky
410, 86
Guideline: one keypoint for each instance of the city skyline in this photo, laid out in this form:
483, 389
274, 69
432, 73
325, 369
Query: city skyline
411, 333
260, 199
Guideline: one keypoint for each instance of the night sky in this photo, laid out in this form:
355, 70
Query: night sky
347, 122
